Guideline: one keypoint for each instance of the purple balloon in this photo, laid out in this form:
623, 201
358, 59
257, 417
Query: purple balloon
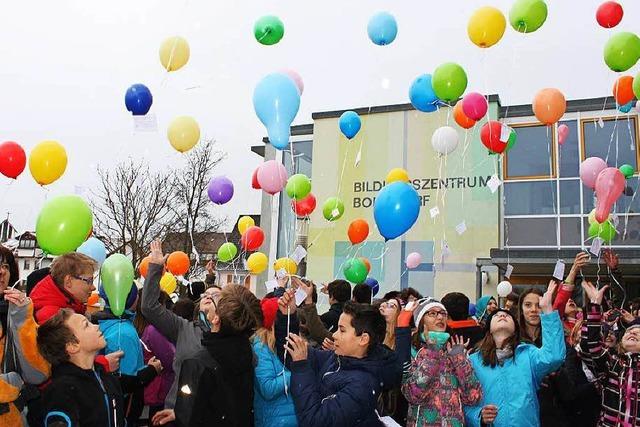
220, 190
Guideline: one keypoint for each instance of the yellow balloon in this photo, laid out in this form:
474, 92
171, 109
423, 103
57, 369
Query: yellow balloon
486, 26
183, 133
244, 223
168, 283
174, 53
257, 262
397, 174
287, 264
47, 162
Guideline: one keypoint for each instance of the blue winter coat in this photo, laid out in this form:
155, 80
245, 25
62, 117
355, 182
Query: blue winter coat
512, 387
120, 334
271, 406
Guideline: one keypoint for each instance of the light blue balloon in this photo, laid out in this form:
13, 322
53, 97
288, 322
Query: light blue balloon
422, 96
382, 28
93, 248
276, 101
626, 107
350, 124
396, 209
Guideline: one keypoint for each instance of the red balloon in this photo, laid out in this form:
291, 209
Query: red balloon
366, 264
254, 180
490, 134
609, 14
358, 231
12, 159
304, 207
252, 239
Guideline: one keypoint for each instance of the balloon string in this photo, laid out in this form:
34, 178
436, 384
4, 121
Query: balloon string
395, 286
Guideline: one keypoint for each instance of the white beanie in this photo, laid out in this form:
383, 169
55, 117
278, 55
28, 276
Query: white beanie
425, 305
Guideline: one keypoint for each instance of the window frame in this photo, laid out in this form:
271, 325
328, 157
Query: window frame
554, 172
594, 120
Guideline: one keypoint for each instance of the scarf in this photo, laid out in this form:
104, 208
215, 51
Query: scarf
503, 354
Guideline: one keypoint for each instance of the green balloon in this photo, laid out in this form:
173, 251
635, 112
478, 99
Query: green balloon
622, 51
355, 270
333, 209
449, 81
227, 252
268, 30
116, 275
606, 231
298, 186
627, 171
636, 86
63, 224
526, 16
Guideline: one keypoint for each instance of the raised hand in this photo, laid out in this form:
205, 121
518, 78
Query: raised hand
594, 295
156, 256
610, 258
287, 302
296, 346
457, 344
546, 302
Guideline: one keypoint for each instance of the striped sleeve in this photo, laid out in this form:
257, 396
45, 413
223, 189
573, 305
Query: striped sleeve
591, 342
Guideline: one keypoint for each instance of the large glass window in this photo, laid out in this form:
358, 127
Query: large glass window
530, 198
568, 152
615, 141
532, 155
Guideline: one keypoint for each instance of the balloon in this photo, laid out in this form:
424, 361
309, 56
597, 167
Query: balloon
606, 231
305, 206
168, 283
244, 223
350, 124
511, 141
138, 99
526, 16
449, 81
461, 119
227, 251
358, 231
444, 140
413, 260
590, 168
276, 101
421, 94
63, 224
396, 209
116, 275
609, 14
366, 263
623, 90
333, 209
272, 176
636, 89
549, 105
298, 186
220, 190
504, 288
397, 174
626, 107
373, 284
286, 264
592, 217
47, 162
12, 159
563, 133
268, 30
622, 51
496, 136
144, 266
382, 28
354, 270
610, 184
94, 249
254, 180
183, 133
474, 106
252, 239
257, 262
486, 26
295, 78
178, 263
93, 300
627, 171
174, 53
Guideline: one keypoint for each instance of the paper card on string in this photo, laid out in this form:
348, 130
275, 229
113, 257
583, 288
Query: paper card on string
335, 213
509, 270
493, 183
298, 254
389, 422
600, 122
596, 245
358, 158
558, 271
271, 285
505, 133
146, 123
281, 274
461, 228
300, 296
434, 212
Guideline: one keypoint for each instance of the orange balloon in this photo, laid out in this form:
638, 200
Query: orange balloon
358, 231
93, 299
461, 119
549, 106
366, 263
623, 90
144, 266
178, 263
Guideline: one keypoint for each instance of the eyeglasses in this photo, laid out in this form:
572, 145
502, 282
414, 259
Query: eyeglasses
84, 279
389, 305
435, 314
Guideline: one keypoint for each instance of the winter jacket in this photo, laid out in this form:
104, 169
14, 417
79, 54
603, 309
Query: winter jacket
271, 404
216, 384
156, 345
512, 386
481, 308
83, 397
186, 336
468, 329
560, 303
48, 299
580, 395
120, 334
331, 317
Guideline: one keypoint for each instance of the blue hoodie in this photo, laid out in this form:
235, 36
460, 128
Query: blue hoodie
120, 334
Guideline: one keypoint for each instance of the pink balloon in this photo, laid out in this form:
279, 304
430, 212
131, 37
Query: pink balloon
272, 176
563, 133
474, 106
609, 187
589, 170
296, 79
413, 260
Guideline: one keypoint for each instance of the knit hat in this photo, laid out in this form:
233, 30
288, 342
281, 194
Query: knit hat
131, 297
425, 305
269, 310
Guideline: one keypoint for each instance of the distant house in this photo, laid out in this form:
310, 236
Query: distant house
27, 253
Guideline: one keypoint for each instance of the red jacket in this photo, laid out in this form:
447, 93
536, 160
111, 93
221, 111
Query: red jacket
48, 299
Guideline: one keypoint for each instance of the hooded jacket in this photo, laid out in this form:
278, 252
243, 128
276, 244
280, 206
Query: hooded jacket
48, 299
156, 345
481, 308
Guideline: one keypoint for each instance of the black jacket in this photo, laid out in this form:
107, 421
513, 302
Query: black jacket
215, 387
83, 397
331, 317
582, 398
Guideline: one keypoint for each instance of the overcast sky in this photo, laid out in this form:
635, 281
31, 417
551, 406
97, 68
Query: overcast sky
67, 63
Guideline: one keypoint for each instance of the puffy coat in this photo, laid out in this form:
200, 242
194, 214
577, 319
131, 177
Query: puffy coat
48, 299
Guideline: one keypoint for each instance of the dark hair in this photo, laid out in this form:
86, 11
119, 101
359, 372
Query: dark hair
391, 294
339, 290
523, 325
184, 308
362, 293
239, 311
457, 305
487, 347
53, 337
513, 297
366, 318
6, 257
406, 293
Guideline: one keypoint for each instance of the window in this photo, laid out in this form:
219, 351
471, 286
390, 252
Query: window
615, 142
532, 156
26, 265
568, 152
530, 231
530, 198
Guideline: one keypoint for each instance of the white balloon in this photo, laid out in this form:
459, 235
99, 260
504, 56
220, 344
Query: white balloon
504, 288
444, 140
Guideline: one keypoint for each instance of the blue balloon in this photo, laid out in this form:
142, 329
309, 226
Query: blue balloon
422, 96
350, 124
373, 284
396, 209
276, 101
382, 28
626, 107
93, 248
138, 99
